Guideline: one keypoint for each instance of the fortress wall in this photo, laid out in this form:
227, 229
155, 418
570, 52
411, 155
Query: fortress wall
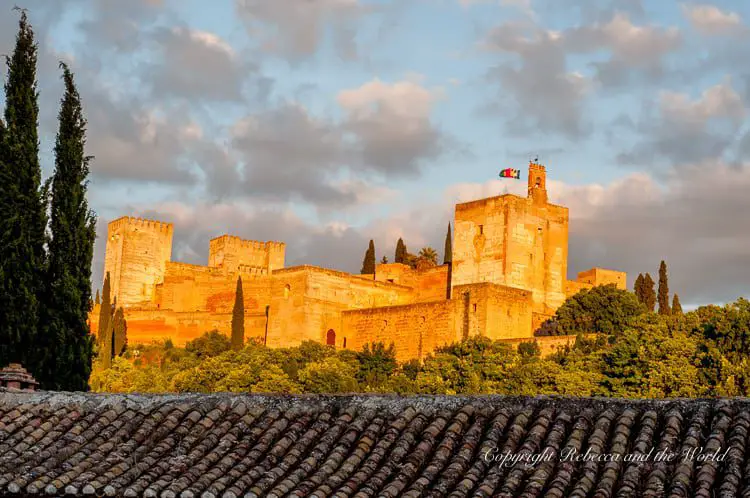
494, 311
414, 329
429, 284
548, 345
189, 288
135, 257
315, 298
514, 241
602, 276
145, 326
573, 287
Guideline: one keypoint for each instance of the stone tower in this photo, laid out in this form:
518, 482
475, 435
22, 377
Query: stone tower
231, 254
136, 257
516, 241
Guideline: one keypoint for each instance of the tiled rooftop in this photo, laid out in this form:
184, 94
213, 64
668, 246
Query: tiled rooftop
363, 446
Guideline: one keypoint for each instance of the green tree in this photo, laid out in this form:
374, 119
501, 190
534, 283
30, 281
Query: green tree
376, 364
368, 263
663, 294
105, 311
602, 309
448, 251
211, 343
649, 294
119, 333
475, 365
429, 255
67, 297
331, 375
22, 210
676, 306
238, 318
384, 261
98, 299
649, 361
400, 252
529, 350
638, 289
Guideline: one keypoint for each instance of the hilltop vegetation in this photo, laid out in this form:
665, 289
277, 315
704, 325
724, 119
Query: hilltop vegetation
647, 354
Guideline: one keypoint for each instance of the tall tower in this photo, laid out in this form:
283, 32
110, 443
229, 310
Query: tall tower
537, 183
136, 258
516, 241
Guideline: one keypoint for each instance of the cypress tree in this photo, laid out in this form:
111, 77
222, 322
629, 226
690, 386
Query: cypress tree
71, 248
368, 263
105, 312
649, 295
448, 251
400, 252
663, 296
22, 209
119, 333
676, 306
638, 289
98, 299
238, 318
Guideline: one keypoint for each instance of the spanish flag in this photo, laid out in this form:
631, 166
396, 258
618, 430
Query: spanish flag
511, 173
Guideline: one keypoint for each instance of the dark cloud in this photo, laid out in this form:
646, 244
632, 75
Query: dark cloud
287, 154
695, 223
538, 90
295, 30
196, 65
679, 131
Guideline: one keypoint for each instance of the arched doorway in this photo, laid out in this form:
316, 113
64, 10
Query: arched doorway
331, 338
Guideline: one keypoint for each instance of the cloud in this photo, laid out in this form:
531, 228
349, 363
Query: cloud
295, 30
540, 93
391, 125
635, 50
691, 222
288, 154
684, 131
709, 20
195, 64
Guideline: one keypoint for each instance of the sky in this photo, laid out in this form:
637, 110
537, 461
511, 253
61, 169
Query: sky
326, 123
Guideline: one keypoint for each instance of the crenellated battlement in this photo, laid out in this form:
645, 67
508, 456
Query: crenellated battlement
246, 244
133, 221
252, 271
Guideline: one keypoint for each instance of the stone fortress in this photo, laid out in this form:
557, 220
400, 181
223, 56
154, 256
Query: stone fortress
508, 274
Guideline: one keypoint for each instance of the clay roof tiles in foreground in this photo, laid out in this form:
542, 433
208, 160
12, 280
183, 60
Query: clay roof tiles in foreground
363, 446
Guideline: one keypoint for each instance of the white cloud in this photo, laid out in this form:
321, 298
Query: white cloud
710, 20
718, 101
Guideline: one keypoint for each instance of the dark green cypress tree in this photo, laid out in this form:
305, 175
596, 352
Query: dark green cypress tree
22, 209
400, 252
119, 333
638, 288
105, 313
448, 251
368, 263
67, 302
649, 294
676, 306
238, 318
98, 299
663, 295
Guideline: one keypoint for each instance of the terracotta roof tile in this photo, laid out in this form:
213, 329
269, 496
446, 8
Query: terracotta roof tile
207, 446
